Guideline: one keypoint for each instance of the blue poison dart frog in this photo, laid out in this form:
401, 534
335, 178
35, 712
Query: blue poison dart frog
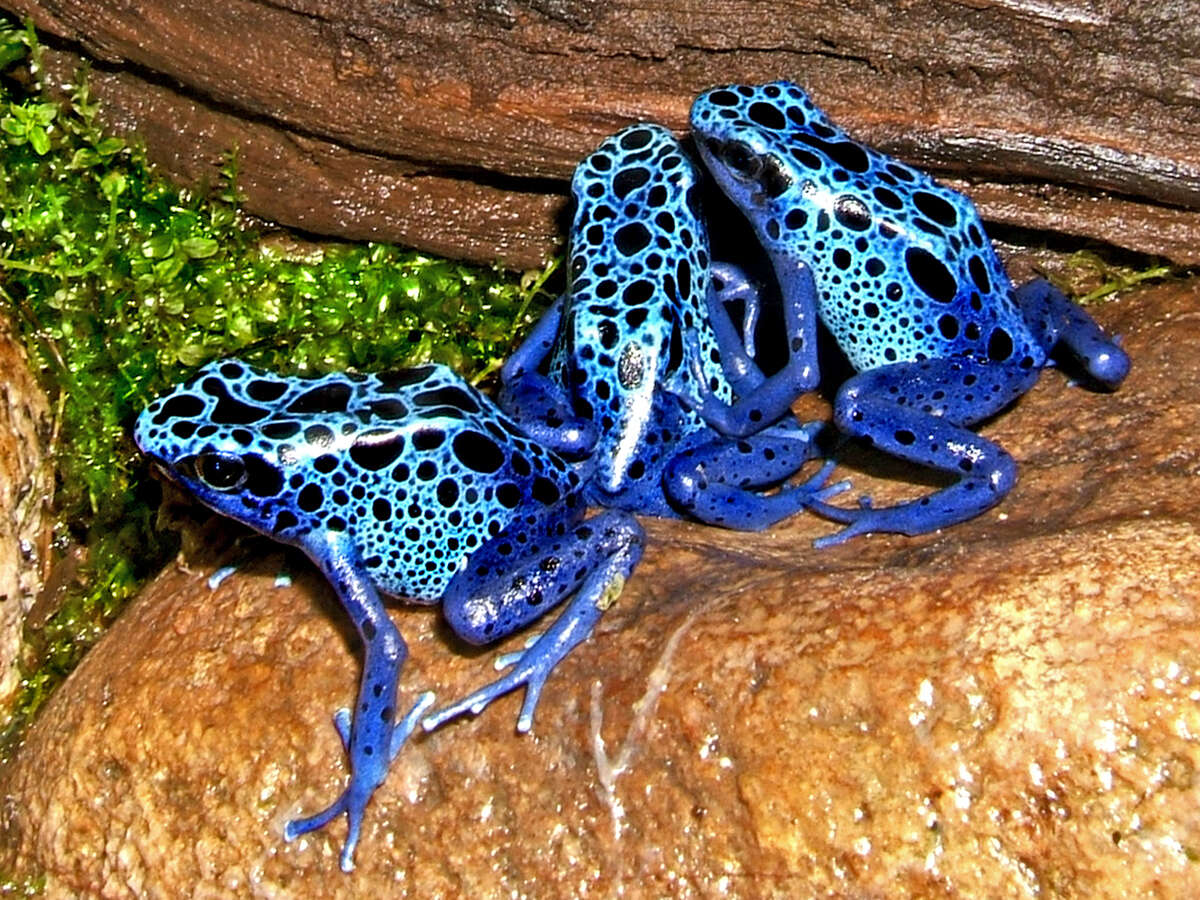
643, 324
909, 286
409, 483
601, 374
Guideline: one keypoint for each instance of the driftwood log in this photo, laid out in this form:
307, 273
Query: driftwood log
453, 127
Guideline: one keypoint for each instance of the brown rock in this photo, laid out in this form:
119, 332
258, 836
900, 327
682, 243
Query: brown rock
1007, 708
453, 127
26, 486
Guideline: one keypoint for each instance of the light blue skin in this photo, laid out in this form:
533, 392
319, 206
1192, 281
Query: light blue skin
643, 324
409, 483
910, 288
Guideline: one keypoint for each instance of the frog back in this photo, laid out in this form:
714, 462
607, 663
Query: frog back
416, 466
637, 291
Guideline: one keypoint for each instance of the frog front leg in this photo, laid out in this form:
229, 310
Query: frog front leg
771, 398
541, 406
520, 574
919, 412
1055, 320
720, 482
727, 284
372, 737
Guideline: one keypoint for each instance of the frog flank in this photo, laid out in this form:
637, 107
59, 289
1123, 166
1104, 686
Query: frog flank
408, 483
909, 286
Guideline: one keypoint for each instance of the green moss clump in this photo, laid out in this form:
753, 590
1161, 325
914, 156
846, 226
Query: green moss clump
121, 283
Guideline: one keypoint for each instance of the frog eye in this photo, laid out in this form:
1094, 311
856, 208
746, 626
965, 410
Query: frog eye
744, 162
220, 471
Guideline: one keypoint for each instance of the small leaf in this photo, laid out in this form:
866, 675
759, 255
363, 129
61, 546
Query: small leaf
39, 140
109, 146
158, 247
199, 248
170, 267
113, 185
191, 354
84, 158
45, 113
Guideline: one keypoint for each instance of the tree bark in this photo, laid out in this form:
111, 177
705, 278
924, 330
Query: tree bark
453, 127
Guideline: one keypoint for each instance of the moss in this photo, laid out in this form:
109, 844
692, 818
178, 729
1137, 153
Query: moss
120, 283
24, 887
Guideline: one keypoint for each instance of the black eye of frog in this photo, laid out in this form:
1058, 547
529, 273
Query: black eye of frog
220, 471
741, 159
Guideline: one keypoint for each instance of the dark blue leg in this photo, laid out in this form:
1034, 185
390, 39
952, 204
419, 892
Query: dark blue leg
541, 407
529, 356
1054, 319
372, 736
509, 582
727, 283
716, 481
917, 411
772, 398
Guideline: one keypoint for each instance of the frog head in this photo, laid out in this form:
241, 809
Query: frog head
223, 435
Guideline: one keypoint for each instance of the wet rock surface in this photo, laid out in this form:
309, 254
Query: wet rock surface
1008, 708
454, 127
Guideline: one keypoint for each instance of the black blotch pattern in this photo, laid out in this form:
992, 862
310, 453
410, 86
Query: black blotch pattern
631, 238
638, 292
395, 379
262, 478
324, 399
545, 491
767, 115
281, 430
229, 410
447, 492
628, 180
447, 396
426, 439
388, 408
310, 498
377, 449
263, 391
930, 274
477, 451
935, 208
319, 435
181, 406
1000, 345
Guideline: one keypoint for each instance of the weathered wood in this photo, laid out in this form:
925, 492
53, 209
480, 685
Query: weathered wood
455, 128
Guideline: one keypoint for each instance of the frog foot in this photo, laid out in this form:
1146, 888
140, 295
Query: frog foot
529, 669
353, 800
818, 489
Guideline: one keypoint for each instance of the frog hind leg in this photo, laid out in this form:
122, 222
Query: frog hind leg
371, 736
717, 482
1055, 320
521, 573
919, 411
